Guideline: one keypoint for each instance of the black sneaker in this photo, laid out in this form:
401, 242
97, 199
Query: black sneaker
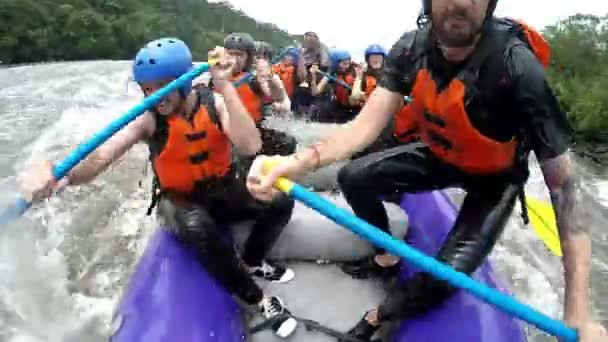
283, 324
272, 272
368, 268
363, 331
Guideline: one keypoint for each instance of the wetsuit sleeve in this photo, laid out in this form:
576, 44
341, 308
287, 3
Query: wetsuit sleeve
546, 125
398, 65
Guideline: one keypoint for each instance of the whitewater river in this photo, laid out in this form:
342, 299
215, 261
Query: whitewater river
63, 266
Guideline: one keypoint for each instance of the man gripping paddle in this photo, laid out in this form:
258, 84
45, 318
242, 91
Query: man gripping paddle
190, 136
481, 103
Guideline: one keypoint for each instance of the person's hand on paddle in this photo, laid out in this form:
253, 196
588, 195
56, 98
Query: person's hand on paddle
588, 330
260, 183
39, 183
314, 69
223, 66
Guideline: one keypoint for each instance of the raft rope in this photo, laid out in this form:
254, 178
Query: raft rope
310, 325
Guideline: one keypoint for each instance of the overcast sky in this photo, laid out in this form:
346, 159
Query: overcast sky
355, 24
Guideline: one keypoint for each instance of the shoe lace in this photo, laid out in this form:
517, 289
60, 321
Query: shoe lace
274, 307
268, 269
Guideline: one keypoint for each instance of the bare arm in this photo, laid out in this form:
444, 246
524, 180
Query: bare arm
236, 121
357, 134
550, 134
318, 88
356, 94
112, 150
563, 186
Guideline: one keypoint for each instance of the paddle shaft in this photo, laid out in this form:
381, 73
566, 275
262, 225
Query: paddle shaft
82, 151
441, 271
250, 75
333, 79
62, 168
407, 99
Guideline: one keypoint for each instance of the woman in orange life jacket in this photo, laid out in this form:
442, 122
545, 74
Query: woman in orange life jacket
482, 102
364, 85
292, 72
313, 52
261, 63
343, 107
241, 46
189, 135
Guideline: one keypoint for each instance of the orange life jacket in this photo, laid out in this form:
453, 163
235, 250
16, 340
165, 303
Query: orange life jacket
251, 99
369, 84
406, 128
342, 94
287, 74
188, 154
442, 118
370, 81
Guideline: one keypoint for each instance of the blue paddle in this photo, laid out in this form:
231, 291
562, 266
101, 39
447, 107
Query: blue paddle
407, 99
429, 264
62, 168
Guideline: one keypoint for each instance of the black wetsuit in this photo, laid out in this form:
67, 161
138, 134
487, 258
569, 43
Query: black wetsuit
202, 223
512, 95
201, 220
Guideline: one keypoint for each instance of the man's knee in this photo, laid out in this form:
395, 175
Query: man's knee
277, 142
280, 209
353, 175
286, 144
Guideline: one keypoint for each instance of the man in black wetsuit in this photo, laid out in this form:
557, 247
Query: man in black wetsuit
481, 103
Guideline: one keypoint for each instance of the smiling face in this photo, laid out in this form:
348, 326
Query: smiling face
287, 59
169, 104
457, 22
375, 61
343, 65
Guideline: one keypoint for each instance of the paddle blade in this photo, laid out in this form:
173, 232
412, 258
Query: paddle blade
12, 204
14, 211
542, 219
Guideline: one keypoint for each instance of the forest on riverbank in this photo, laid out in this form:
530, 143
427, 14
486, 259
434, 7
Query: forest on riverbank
579, 75
51, 30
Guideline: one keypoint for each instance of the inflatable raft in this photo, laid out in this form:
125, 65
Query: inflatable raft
170, 297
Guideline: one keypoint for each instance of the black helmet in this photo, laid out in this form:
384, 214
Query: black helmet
240, 41
426, 7
263, 49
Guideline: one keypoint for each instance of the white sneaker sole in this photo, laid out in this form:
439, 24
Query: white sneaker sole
286, 277
287, 328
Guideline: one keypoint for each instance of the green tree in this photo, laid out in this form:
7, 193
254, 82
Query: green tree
91, 29
579, 71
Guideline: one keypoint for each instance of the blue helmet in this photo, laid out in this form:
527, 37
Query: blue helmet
162, 59
294, 53
337, 56
374, 49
